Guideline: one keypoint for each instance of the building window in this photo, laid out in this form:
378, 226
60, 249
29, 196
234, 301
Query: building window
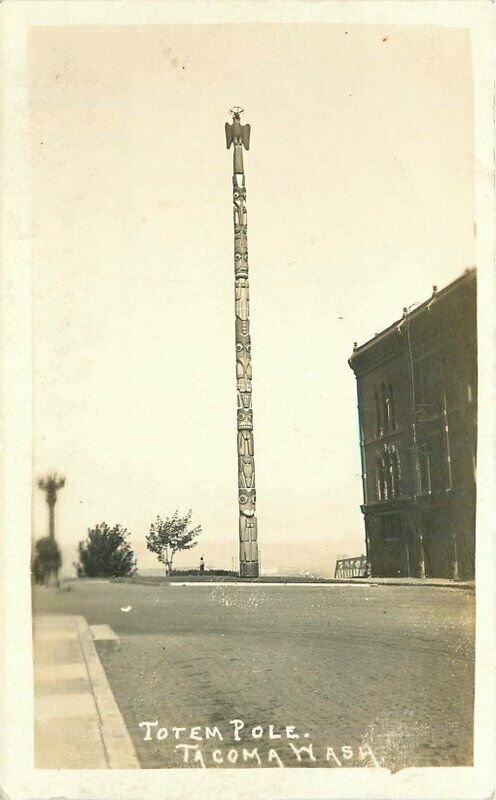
424, 470
378, 424
391, 424
427, 388
383, 404
394, 468
384, 407
388, 475
380, 479
390, 527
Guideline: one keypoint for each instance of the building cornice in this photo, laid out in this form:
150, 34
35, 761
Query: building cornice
409, 317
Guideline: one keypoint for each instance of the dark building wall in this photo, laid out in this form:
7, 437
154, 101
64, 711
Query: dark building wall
417, 400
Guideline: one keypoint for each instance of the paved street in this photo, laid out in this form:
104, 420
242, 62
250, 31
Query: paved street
384, 672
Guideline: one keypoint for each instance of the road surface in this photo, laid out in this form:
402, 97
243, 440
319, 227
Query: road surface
242, 676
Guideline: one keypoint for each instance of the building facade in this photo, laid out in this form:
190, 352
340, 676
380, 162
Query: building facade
417, 407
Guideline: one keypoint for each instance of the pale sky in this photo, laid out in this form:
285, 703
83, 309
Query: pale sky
360, 198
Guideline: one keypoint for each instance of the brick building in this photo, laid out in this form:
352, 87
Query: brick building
417, 406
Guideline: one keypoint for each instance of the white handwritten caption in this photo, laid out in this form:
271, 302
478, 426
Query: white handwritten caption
193, 754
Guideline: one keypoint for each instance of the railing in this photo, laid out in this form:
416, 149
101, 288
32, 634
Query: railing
352, 568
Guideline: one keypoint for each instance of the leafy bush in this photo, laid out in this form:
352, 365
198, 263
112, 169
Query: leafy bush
106, 552
47, 559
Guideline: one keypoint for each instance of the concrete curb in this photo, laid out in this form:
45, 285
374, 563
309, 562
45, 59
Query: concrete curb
118, 745
329, 584
433, 583
443, 583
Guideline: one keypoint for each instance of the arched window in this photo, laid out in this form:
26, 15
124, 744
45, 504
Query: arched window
381, 479
390, 408
378, 418
384, 408
388, 474
395, 474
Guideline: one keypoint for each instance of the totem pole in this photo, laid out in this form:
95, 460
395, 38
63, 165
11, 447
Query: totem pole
239, 136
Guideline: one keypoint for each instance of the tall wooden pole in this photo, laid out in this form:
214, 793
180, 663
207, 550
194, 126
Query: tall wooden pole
239, 136
50, 485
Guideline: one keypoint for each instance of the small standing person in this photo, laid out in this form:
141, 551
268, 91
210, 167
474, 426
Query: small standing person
202, 565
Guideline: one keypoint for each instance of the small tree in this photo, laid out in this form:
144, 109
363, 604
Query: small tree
106, 553
170, 535
47, 561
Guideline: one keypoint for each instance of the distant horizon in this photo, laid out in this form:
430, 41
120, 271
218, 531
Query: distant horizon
318, 558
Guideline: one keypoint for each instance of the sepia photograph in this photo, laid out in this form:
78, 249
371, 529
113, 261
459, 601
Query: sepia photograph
256, 297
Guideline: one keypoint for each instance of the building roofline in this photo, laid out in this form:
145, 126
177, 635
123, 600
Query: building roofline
469, 274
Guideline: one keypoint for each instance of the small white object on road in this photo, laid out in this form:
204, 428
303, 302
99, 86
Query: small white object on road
128, 608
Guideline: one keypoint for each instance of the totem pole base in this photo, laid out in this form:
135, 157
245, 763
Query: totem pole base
249, 569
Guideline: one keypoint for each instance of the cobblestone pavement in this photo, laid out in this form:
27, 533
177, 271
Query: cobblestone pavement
363, 675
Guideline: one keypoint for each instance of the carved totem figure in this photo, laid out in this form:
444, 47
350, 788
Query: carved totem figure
246, 471
245, 443
243, 362
242, 304
238, 135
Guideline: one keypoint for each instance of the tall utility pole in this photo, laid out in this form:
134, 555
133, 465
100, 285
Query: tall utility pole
239, 136
50, 485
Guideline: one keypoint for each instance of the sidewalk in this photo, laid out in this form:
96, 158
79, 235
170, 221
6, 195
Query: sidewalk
78, 724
